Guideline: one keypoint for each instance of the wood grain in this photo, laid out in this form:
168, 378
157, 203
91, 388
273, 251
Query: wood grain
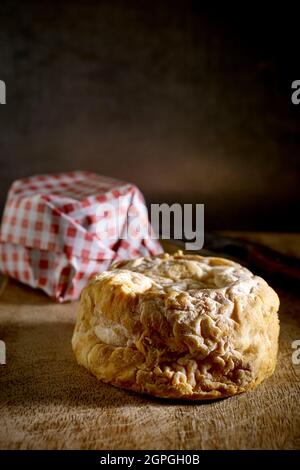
48, 402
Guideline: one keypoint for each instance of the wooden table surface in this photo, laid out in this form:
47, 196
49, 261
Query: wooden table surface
48, 402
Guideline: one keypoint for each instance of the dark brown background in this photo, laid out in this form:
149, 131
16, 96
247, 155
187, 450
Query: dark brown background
191, 105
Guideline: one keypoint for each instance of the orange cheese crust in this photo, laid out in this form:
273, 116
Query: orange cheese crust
178, 326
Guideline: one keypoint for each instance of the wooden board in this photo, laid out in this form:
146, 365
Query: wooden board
48, 402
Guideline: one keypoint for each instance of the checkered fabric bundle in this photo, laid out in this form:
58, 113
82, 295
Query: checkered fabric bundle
60, 230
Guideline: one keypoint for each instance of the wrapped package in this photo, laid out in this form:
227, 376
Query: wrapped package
60, 230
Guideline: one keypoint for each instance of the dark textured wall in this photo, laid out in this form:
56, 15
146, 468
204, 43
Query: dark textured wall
191, 105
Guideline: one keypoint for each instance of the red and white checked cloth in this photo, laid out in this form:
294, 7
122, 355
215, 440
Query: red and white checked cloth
50, 237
